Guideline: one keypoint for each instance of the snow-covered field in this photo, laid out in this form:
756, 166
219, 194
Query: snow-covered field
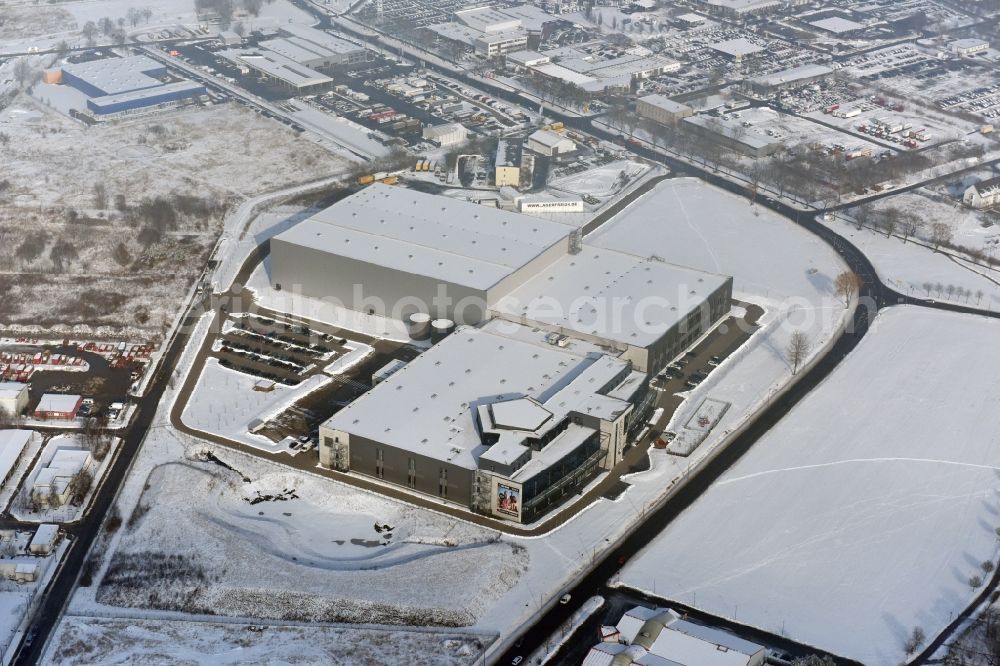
83, 641
863, 513
917, 270
128, 269
602, 181
31, 25
308, 545
224, 403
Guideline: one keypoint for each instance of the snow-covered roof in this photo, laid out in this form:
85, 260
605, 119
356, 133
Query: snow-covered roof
548, 138
58, 402
487, 19
987, 186
11, 390
968, 43
665, 103
304, 36
189, 87
445, 388
693, 644
519, 414
603, 654
12, 444
794, 74
632, 621
45, 534
612, 295
276, 65
454, 241
837, 24
116, 75
526, 58
737, 47
69, 461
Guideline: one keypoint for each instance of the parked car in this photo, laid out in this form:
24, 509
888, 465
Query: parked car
715, 360
564, 599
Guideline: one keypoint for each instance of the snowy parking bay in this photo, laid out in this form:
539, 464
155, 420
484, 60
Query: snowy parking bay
865, 512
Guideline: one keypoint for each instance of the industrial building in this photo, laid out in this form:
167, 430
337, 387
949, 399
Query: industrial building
730, 132
446, 135
121, 86
662, 109
788, 78
53, 483
969, 46
392, 252
984, 194
737, 49
647, 310
12, 446
297, 57
663, 636
550, 144
491, 44
58, 406
507, 166
602, 76
13, 397
838, 25
742, 8
495, 422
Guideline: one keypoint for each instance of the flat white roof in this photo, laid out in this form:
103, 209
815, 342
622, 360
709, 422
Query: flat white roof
458, 32
487, 19
45, 534
302, 34
455, 241
968, 42
548, 138
116, 75
136, 95
57, 402
564, 74
665, 103
697, 645
837, 24
737, 47
611, 295
794, 74
431, 406
11, 390
12, 444
276, 65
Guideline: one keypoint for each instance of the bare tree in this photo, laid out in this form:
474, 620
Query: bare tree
89, 31
100, 196
798, 349
847, 285
915, 640
940, 234
80, 485
975, 581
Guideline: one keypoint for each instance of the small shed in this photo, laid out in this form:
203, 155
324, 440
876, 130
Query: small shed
44, 540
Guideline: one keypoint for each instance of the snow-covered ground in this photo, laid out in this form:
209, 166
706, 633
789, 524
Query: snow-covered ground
863, 513
225, 403
34, 26
308, 541
915, 269
113, 276
82, 641
973, 230
603, 181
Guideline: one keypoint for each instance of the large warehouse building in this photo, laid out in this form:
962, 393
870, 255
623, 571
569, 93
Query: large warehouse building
394, 252
391, 252
493, 422
646, 309
120, 86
